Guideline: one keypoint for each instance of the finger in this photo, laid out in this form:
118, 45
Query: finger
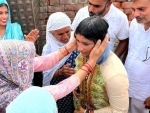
105, 41
98, 43
71, 72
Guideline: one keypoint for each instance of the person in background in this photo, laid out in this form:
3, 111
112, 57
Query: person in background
10, 30
137, 62
117, 20
58, 34
105, 90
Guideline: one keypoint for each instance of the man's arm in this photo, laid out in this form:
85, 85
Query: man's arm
122, 47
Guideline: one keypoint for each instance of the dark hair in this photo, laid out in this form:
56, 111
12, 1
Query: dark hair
92, 28
3, 4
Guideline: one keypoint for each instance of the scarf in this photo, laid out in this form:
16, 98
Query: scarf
33, 100
16, 66
56, 21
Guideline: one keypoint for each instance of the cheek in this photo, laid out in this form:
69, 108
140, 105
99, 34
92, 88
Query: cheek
7, 16
58, 37
90, 48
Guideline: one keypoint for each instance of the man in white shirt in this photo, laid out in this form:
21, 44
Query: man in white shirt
117, 20
138, 59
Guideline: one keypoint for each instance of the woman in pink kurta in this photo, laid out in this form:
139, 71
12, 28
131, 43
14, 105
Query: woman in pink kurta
16, 68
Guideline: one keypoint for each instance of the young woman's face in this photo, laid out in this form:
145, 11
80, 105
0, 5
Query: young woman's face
63, 34
3, 15
84, 45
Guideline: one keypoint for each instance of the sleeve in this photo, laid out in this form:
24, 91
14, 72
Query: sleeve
117, 90
123, 33
42, 63
17, 31
64, 87
47, 76
76, 21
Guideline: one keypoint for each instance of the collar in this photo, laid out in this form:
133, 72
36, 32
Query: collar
111, 13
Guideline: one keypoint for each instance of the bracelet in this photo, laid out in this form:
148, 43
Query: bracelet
89, 67
84, 69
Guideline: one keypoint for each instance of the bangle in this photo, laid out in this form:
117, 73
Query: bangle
89, 67
84, 69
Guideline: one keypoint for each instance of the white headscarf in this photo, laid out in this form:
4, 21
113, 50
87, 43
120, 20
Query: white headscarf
56, 21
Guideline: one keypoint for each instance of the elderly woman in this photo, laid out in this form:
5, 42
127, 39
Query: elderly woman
58, 34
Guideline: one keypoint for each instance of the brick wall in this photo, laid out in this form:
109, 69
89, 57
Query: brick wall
70, 7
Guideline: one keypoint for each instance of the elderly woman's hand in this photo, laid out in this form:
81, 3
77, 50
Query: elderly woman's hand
99, 48
32, 36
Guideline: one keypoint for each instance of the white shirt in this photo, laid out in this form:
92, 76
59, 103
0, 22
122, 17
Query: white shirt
117, 20
138, 71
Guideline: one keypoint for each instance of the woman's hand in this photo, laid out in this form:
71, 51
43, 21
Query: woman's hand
72, 45
32, 36
99, 49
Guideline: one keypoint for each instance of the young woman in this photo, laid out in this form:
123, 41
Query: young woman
58, 34
10, 30
105, 90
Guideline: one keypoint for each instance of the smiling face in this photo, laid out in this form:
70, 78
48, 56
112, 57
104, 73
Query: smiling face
141, 11
63, 34
84, 45
3, 15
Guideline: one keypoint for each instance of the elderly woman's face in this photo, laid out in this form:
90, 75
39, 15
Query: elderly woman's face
63, 34
3, 15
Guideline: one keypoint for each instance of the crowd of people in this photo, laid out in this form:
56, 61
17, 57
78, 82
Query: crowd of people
83, 70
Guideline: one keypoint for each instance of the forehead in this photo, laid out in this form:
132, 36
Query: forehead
3, 7
140, 3
97, 2
63, 30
